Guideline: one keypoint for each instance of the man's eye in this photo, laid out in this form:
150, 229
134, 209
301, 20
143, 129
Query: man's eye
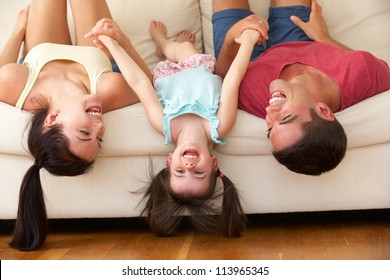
286, 118
268, 132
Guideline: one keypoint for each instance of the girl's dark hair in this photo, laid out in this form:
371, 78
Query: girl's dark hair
164, 211
50, 150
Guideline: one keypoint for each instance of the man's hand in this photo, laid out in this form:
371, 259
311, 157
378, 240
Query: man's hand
316, 28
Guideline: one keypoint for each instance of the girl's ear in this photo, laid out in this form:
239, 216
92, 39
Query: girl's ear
324, 112
169, 159
51, 119
215, 163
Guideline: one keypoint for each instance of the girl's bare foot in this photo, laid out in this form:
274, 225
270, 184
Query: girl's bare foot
185, 36
158, 31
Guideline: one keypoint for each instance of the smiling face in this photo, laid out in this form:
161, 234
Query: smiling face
81, 119
191, 169
289, 107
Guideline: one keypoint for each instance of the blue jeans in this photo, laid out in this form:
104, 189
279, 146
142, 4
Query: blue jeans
281, 28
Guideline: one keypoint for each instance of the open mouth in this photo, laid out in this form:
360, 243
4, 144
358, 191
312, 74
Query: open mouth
190, 154
277, 96
94, 111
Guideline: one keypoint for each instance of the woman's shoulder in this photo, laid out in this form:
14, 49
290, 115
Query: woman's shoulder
13, 78
115, 91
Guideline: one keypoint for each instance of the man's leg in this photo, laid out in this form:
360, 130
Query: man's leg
223, 21
219, 5
281, 3
229, 13
282, 29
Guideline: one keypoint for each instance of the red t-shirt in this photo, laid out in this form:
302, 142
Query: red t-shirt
359, 74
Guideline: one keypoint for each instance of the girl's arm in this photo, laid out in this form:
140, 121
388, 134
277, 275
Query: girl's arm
137, 80
230, 47
11, 49
109, 27
227, 110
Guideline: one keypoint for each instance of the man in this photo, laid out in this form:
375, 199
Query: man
298, 80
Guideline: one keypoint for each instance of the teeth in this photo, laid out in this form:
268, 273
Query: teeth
276, 99
276, 93
190, 156
277, 96
94, 111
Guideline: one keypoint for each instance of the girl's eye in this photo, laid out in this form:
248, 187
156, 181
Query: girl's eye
199, 172
181, 171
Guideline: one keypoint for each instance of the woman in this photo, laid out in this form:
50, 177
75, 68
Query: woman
67, 88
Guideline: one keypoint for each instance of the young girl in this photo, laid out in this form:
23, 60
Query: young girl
193, 109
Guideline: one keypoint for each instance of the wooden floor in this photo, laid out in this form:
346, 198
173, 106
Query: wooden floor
352, 235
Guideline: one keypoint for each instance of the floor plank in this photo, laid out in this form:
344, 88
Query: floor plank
352, 235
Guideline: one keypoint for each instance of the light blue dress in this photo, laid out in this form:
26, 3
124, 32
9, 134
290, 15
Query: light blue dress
191, 91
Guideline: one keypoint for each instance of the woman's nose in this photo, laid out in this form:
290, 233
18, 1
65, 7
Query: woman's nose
100, 127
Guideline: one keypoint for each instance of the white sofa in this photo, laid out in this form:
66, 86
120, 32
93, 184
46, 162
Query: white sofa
361, 181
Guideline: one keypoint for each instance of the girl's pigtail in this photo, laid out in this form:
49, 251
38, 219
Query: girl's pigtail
160, 210
232, 220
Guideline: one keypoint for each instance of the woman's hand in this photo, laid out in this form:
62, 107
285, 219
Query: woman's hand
21, 21
110, 28
11, 49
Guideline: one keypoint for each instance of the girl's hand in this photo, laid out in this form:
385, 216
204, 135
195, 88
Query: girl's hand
249, 35
110, 28
251, 22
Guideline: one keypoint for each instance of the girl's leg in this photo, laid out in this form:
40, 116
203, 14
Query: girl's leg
178, 50
47, 22
85, 14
